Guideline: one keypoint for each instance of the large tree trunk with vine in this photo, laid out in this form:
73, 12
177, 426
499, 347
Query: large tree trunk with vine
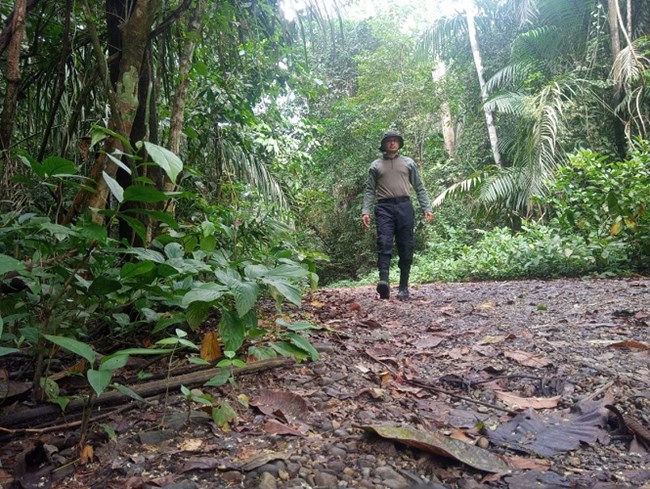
135, 31
13, 85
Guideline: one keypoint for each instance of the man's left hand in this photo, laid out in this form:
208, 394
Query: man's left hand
428, 217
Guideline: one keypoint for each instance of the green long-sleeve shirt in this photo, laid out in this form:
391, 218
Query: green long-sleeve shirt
391, 178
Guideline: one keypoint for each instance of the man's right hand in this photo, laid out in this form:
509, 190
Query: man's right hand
365, 220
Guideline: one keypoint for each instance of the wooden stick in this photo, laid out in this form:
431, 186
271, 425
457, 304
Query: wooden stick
149, 389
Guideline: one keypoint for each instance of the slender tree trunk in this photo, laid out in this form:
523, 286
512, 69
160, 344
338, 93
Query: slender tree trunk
60, 81
178, 105
617, 96
13, 85
478, 63
446, 120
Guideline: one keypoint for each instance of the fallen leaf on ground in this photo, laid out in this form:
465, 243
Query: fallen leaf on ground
210, 347
629, 344
527, 402
528, 359
191, 445
275, 427
260, 459
550, 435
291, 406
433, 442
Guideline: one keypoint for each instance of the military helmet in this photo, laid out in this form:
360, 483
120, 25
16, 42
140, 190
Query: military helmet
391, 134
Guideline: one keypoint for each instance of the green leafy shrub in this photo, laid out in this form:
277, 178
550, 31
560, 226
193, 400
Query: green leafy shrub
75, 285
606, 202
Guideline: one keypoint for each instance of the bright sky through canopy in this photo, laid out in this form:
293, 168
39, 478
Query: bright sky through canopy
360, 9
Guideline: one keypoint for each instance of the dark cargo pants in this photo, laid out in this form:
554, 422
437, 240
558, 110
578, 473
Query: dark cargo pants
395, 220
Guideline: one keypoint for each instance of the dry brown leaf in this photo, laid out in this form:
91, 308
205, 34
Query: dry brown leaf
210, 347
492, 340
527, 402
191, 445
462, 436
385, 378
287, 404
87, 454
524, 463
528, 359
439, 444
275, 427
629, 344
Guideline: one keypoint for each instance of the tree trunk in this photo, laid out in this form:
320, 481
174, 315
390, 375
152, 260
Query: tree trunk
13, 86
135, 34
478, 63
60, 80
617, 96
446, 120
178, 105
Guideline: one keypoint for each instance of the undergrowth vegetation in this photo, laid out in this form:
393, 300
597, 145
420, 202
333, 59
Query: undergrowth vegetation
79, 289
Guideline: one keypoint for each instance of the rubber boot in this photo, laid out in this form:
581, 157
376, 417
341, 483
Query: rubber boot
403, 292
383, 287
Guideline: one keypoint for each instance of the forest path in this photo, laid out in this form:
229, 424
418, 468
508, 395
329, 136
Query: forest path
457, 361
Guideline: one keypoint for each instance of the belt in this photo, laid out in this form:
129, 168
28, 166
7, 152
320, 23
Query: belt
394, 200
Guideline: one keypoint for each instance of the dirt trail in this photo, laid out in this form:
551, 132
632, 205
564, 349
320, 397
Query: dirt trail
520, 372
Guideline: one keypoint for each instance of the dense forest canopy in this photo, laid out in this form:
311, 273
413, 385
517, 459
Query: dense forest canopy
167, 161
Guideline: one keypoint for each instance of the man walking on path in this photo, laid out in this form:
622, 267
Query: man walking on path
390, 180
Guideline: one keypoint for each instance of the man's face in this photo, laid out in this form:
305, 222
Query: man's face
392, 145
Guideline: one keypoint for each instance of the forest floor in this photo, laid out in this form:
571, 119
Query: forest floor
466, 385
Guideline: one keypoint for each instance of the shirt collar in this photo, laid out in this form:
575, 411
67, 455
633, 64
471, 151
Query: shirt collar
386, 157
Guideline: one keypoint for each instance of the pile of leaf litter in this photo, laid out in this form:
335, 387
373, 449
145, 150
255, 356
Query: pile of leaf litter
530, 384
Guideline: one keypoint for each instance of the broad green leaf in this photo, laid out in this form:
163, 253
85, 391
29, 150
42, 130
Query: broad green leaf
206, 293
99, 134
143, 351
174, 250
99, 379
55, 165
305, 345
94, 231
168, 161
220, 379
103, 286
119, 163
77, 347
262, 352
245, 294
130, 392
163, 217
7, 351
231, 331
113, 362
286, 349
9, 264
144, 254
136, 225
115, 188
130, 270
223, 415
196, 313
287, 270
287, 290
297, 325
255, 271
139, 193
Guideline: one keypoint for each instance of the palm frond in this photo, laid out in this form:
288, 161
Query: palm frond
435, 39
508, 103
